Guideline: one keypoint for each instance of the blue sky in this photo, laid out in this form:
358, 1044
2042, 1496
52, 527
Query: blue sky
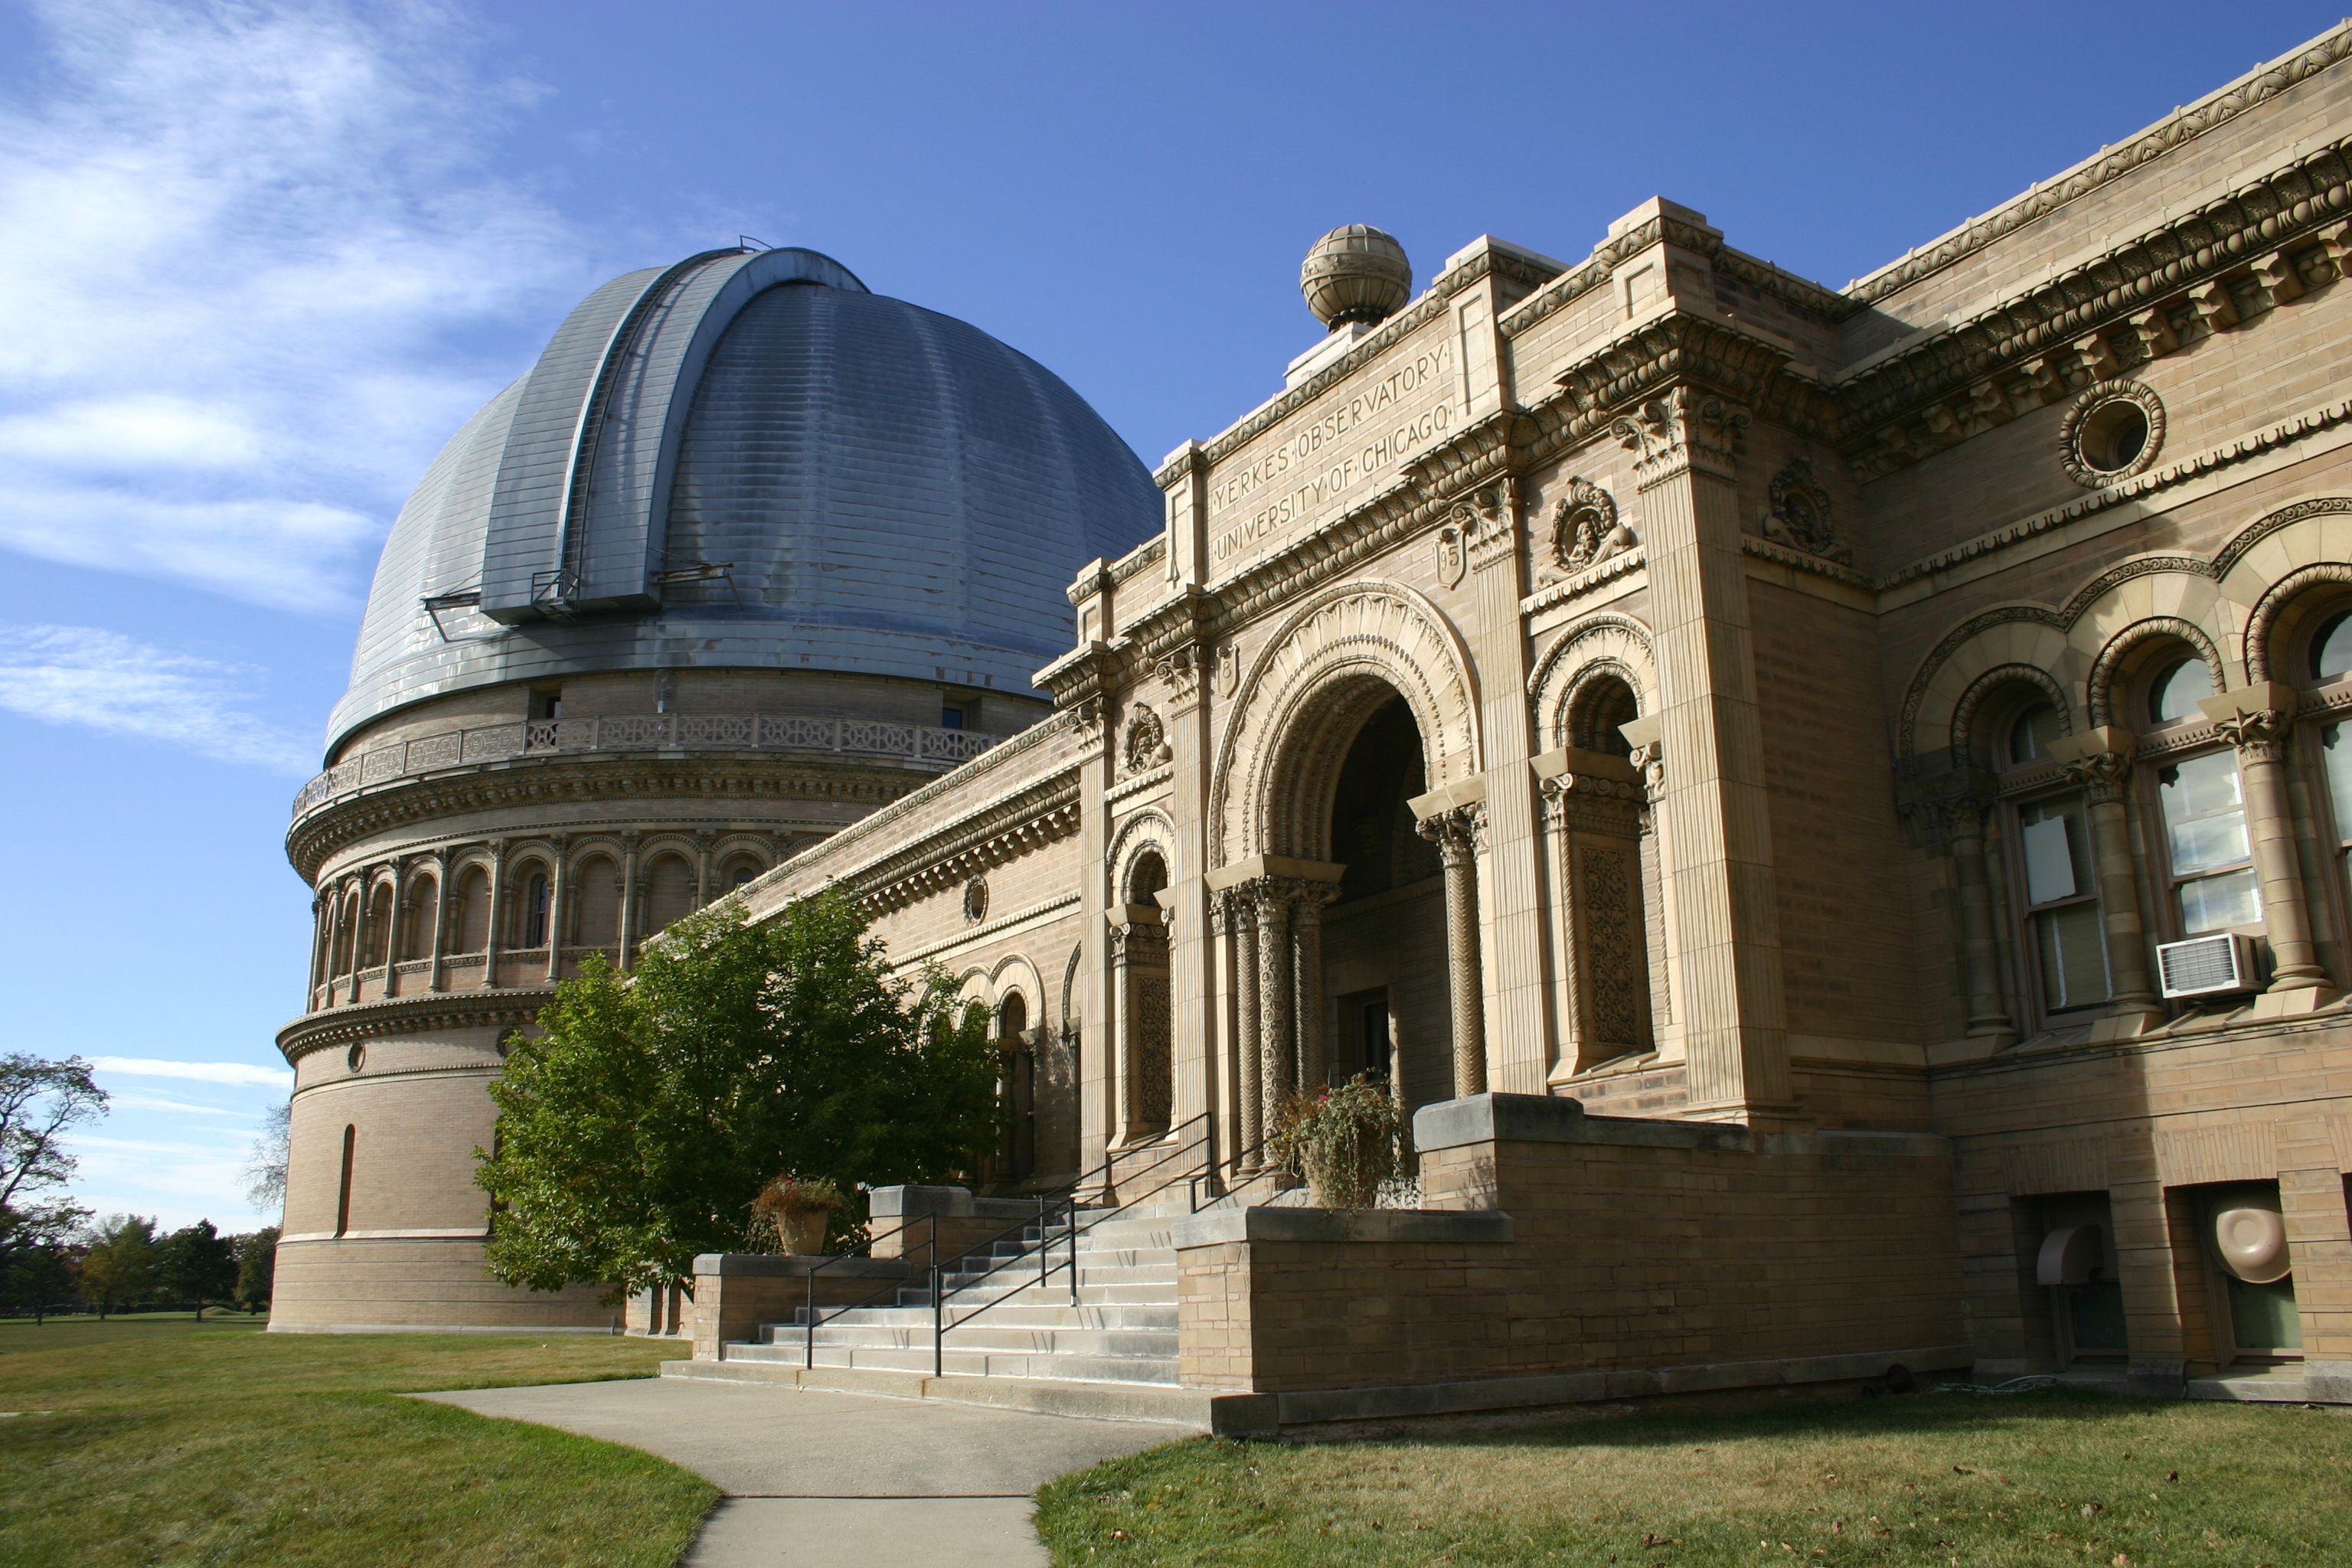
257, 261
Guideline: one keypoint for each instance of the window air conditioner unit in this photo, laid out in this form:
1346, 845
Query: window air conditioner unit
2207, 965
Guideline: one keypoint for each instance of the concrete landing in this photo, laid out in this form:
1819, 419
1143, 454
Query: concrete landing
820, 1480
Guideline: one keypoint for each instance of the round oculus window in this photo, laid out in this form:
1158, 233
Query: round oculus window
2112, 432
356, 1058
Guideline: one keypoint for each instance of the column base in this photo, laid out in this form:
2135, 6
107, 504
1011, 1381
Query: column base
2129, 1023
2294, 998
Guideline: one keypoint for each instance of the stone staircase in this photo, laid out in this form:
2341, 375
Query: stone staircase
1001, 1323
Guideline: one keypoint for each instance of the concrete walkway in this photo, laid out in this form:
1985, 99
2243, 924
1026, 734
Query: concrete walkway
814, 1479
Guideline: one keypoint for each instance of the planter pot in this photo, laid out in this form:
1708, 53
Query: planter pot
804, 1232
1351, 1184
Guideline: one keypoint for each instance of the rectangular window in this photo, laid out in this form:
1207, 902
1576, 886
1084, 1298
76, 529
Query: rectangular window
2336, 753
2205, 839
2062, 903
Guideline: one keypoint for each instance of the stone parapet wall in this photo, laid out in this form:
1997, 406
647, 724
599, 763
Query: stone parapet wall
1575, 1245
736, 1293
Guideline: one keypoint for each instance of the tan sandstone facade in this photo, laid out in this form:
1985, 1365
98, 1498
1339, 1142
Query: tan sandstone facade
1791, 724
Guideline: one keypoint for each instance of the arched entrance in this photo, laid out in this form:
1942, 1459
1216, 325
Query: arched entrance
1139, 956
1017, 1064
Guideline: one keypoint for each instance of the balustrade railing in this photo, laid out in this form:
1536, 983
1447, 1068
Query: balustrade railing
919, 744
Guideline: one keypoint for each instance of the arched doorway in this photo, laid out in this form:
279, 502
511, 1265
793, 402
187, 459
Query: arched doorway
1606, 863
1384, 963
1140, 951
1017, 1074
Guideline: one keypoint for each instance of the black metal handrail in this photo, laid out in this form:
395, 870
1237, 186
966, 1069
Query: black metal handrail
940, 1324
809, 1318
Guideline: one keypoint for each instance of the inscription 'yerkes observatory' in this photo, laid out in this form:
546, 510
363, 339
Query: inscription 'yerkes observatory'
1313, 463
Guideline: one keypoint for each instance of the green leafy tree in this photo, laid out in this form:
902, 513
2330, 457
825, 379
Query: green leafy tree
39, 1277
196, 1263
257, 1268
635, 1132
120, 1265
41, 1103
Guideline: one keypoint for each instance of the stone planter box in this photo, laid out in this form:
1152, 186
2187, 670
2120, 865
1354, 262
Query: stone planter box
736, 1292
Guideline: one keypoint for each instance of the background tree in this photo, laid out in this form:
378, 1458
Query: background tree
196, 1263
257, 1268
635, 1132
264, 1167
41, 1103
119, 1269
38, 1279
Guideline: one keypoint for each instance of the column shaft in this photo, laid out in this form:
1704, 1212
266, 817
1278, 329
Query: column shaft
2270, 822
1306, 968
497, 911
1457, 851
1273, 982
1240, 910
440, 921
1980, 952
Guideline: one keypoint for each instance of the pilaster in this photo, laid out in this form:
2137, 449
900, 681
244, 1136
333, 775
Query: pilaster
1726, 924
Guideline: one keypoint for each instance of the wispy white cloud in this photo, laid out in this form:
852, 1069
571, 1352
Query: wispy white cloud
254, 268
104, 680
209, 1072
174, 1107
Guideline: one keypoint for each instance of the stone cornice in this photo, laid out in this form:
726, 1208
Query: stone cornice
513, 1006
1789, 555
982, 933
881, 824
969, 846
2286, 207
1802, 294
2162, 476
539, 782
2177, 129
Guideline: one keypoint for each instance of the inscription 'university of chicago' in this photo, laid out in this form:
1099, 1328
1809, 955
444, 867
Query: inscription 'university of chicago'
1316, 461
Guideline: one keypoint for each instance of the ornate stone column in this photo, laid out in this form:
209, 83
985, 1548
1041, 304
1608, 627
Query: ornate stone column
1241, 914
1306, 981
1138, 951
628, 948
1989, 1020
2256, 720
440, 920
1455, 834
2100, 761
702, 842
404, 910
1276, 1070
497, 909
559, 887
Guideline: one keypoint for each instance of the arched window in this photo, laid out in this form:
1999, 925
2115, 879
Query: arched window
669, 892
343, 1187
1603, 705
2061, 902
535, 910
379, 935
2030, 735
2331, 649
417, 937
740, 869
2177, 689
473, 911
595, 901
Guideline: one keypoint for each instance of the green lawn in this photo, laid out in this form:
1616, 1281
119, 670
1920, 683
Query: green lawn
1927, 1479
162, 1441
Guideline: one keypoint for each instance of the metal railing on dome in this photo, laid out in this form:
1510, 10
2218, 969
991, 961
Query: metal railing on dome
919, 744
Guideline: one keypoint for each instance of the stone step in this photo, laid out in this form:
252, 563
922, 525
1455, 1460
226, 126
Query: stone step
1136, 1293
986, 1335
1057, 1314
974, 1361
1187, 1409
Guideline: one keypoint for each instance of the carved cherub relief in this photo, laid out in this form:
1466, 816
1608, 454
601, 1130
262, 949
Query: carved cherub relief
1586, 529
1800, 517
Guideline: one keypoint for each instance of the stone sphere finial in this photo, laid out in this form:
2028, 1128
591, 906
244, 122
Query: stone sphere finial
1355, 273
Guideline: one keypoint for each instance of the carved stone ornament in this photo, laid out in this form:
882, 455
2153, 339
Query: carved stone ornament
2112, 431
1229, 669
1452, 557
1586, 529
1681, 427
2258, 734
1800, 516
975, 900
1147, 741
2101, 776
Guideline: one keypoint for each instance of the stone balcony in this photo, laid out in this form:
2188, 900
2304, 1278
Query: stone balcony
916, 745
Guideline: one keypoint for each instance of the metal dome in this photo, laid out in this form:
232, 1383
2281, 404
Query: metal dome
748, 459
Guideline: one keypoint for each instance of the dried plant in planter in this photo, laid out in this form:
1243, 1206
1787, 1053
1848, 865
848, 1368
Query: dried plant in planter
793, 1211
1343, 1140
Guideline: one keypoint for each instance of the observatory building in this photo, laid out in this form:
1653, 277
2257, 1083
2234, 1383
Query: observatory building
1830, 807
749, 553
